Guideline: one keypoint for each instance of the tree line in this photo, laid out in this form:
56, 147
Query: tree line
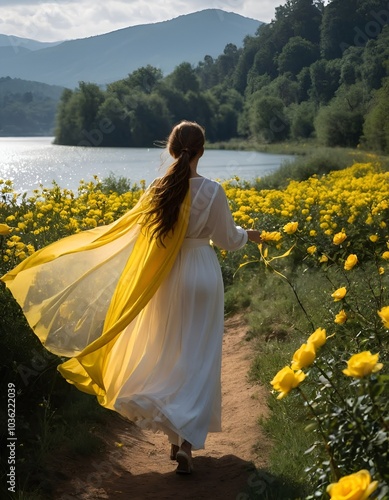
317, 70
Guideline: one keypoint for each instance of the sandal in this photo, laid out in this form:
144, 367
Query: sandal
173, 451
184, 463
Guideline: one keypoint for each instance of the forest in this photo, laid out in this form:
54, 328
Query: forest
318, 70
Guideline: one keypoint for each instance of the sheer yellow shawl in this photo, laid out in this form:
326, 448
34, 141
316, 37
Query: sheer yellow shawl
79, 293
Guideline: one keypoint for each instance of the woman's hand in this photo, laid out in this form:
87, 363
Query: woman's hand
254, 235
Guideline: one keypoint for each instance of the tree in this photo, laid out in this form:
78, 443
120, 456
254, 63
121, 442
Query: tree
145, 79
298, 18
90, 97
184, 78
297, 54
228, 104
264, 57
351, 23
113, 110
376, 126
200, 107
225, 64
375, 57
340, 123
69, 124
304, 83
256, 82
325, 77
251, 46
283, 87
351, 63
207, 72
301, 117
267, 118
149, 120
175, 101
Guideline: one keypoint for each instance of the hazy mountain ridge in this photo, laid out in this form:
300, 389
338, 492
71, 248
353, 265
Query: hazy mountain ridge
17, 43
106, 58
17, 86
27, 108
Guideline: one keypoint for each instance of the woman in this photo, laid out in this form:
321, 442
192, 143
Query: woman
138, 305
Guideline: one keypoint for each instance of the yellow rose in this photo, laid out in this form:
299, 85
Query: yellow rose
385, 255
291, 227
286, 380
357, 486
312, 249
304, 356
339, 294
318, 338
373, 238
5, 230
341, 317
384, 315
362, 364
339, 238
323, 258
381, 270
351, 261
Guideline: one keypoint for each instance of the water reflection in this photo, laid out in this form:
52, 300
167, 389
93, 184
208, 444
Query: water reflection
29, 162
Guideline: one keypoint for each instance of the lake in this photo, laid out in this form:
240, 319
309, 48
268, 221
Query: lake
31, 161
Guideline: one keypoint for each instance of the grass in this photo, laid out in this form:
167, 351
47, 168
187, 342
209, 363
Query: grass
289, 147
285, 147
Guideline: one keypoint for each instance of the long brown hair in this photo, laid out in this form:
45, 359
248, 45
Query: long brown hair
185, 141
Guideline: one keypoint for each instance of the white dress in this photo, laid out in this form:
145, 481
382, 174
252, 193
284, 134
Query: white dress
175, 385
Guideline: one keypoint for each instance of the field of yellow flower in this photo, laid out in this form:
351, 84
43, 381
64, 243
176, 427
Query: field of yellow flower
30, 223
350, 204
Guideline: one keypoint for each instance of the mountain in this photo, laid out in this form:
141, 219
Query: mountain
106, 58
17, 86
17, 43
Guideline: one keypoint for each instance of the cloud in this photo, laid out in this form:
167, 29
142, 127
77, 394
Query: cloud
68, 19
35, 3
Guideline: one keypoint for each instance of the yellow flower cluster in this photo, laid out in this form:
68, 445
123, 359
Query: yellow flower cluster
53, 213
328, 208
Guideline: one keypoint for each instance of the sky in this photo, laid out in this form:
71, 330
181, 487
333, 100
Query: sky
55, 20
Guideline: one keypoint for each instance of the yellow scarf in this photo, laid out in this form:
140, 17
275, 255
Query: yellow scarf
147, 266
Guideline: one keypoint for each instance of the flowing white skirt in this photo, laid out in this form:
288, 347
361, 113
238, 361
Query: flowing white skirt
175, 385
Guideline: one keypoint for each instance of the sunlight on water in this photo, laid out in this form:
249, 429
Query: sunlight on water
30, 162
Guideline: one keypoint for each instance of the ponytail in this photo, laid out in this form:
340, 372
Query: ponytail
169, 191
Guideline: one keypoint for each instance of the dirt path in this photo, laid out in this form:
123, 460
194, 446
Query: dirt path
136, 464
